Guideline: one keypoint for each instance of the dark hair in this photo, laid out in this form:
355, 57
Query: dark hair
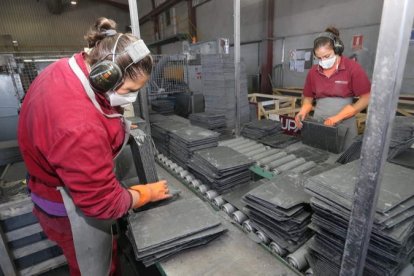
324, 40
102, 46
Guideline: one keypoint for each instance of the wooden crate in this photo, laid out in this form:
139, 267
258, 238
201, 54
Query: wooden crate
288, 91
406, 105
268, 105
24, 248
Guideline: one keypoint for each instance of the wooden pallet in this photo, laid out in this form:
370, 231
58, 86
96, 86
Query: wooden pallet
268, 105
406, 105
21, 239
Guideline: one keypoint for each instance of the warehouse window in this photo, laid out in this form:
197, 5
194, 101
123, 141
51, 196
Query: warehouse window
168, 18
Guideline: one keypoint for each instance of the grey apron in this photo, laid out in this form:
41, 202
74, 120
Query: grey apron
327, 107
92, 237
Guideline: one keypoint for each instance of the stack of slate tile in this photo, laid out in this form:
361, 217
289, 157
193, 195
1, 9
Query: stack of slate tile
391, 245
143, 155
280, 209
318, 135
161, 232
184, 141
160, 133
405, 158
402, 137
211, 121
218, 88
353, 152
221, 168
163, 106
279, 140
258, 129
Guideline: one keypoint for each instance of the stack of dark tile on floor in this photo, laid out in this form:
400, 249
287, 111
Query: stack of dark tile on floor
220, 168
159, 233
391, 245
218, 88
211, 121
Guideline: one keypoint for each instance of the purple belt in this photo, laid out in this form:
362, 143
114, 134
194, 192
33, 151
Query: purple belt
52, 208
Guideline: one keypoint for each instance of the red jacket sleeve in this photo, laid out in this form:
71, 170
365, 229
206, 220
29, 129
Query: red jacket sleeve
82, 157
360, 82
307, 89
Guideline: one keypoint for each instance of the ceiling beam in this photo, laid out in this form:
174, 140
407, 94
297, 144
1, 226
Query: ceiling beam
117, 4
161, 8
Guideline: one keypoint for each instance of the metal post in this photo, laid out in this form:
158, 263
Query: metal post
133, 13
236, 6
396, 23
266, 63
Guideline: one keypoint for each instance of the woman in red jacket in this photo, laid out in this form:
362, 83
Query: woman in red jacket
333, 83
70, 130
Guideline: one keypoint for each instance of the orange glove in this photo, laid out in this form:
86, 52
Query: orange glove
347, 112
150, 193
304, 111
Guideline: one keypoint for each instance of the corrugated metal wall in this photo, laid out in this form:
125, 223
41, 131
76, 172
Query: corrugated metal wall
30, 23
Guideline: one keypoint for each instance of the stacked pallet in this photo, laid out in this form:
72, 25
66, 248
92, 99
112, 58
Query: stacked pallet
24, 248
392, 239
219, 88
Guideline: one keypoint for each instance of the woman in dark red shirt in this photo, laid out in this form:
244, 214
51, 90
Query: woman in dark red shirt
333, 83
70, 130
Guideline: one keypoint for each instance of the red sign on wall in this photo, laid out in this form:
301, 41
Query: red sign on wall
357, 42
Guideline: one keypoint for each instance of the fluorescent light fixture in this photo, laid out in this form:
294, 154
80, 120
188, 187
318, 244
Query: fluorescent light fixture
41, 60
73, 2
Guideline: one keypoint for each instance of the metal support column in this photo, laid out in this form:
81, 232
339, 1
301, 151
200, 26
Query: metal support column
192, 21
133, 13
236, 7
396, 23
266, 63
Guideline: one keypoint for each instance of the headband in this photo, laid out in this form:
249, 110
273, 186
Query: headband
110, 32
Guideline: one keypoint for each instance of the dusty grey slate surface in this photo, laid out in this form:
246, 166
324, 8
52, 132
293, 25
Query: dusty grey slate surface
232, 253
396, 184
170, 222
323, 137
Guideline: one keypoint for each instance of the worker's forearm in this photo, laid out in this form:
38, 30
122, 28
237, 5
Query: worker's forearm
135, 197
307, 100
362, 103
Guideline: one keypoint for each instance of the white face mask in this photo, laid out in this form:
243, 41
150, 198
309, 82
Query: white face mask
327, 63
116, 99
